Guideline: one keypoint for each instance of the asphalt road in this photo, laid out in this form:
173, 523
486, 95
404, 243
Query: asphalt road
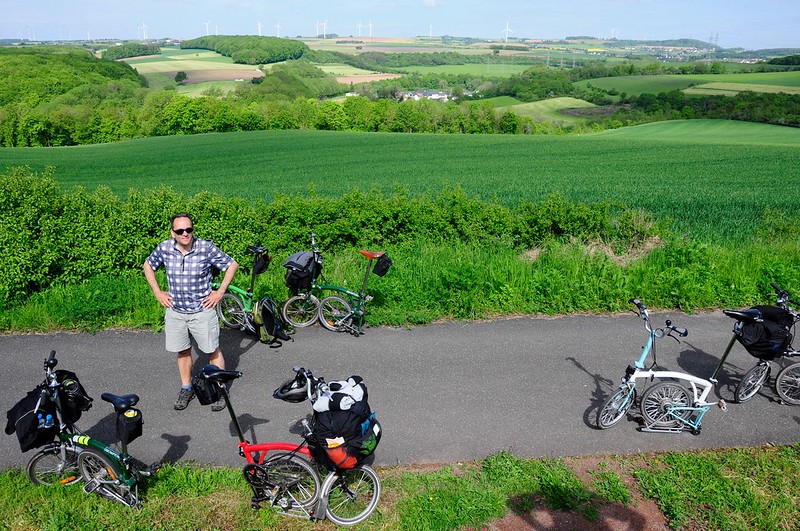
445, 392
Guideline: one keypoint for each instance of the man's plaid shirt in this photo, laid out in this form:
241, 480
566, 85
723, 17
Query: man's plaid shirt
189, 275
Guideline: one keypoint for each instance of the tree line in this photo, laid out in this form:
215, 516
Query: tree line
250, 50
71, 98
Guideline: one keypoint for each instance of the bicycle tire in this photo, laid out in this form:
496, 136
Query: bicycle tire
615, 408
301, 310
99, 472
352, 494
787, 384
751, 382
50, 468
657, 400
230, 310
300, 476
335, 313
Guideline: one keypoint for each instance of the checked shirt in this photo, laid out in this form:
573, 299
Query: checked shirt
189, 275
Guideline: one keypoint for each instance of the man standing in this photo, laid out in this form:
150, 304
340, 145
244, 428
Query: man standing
190, 301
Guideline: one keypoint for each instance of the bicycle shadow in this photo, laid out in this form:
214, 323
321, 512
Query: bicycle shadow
698, 362
106, 430
247, 423
603, 388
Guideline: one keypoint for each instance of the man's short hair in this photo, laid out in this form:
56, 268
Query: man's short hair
180, 215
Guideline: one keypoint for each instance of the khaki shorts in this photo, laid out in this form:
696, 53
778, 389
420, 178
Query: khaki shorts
202, 326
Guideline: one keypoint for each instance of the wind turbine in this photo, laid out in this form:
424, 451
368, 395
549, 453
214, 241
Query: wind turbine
259, 28
507, 31
144, 31
278, 28
324, 28
359, 28
206, 24
370, 29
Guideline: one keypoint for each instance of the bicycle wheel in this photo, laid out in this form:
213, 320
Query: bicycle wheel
298, 480
352, 495
335, 313
751, 383
658, 401
301, 310
230, 310
615, 408
787, 384
101, 476
55, 465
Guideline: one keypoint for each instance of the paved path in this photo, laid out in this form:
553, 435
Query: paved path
445, 392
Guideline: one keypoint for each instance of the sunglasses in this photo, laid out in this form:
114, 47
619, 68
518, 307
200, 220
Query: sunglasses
187, 230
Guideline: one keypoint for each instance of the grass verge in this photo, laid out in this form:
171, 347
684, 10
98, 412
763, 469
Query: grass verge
732, 489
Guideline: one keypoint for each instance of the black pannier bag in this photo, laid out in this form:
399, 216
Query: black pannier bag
345, 429
129, 425
23, 419
205, 391
72, 396
301, 271
767, 339
382, 265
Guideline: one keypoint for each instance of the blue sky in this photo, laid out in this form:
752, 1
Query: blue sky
750, 24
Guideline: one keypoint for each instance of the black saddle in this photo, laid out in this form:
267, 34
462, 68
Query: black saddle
121, 403
213, 373
750, 315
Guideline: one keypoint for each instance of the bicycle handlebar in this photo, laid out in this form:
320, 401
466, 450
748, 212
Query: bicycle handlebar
680, 331
645, 316
782, 295
51, 361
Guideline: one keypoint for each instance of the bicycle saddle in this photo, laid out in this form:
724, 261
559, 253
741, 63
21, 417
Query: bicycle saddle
120, 402
371, 254
746, 316
257, 250
213, 373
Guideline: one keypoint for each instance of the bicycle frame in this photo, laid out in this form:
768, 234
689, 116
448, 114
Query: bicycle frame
247, 296
256, 454
357, 301
700, 388
122, 468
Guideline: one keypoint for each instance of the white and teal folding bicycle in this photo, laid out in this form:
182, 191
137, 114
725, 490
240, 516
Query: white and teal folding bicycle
678, 401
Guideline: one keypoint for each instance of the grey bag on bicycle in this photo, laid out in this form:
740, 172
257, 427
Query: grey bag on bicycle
301, 270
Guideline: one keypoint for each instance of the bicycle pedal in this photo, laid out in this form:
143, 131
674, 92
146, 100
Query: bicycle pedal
91, 486
722, 405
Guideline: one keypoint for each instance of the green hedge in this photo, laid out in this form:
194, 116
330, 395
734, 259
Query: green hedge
72, 259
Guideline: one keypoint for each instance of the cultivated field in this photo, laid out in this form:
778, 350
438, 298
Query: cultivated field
200, 66
758, 82
553, 110
714, 179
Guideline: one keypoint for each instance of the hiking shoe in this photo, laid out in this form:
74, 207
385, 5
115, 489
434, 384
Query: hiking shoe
219, 405
184, 397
